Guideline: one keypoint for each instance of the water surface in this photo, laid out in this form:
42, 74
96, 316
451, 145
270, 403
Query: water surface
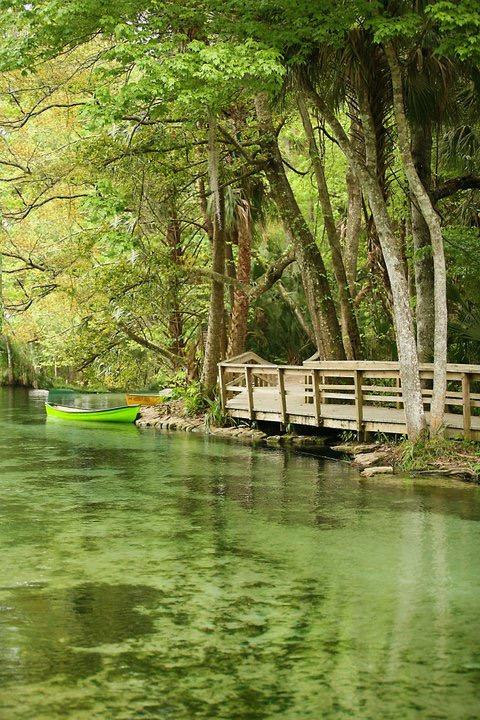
147, 575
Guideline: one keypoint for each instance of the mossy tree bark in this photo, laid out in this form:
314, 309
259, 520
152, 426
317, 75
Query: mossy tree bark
432, 220
365, 169
423, 261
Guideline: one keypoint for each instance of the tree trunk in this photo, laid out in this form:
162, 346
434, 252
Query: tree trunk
423, 261
10, 372
353, 229
350, 332
432, 220
214, 339
296, 311
8, 347
406, 345
317, 290
175, 320
215, 329
2, 309
238, 325
231, 239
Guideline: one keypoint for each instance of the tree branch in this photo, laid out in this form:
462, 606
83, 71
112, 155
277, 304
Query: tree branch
146, 343
450, 187
273, 273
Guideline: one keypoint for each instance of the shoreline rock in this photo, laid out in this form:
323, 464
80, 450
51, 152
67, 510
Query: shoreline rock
377, 470
152, 417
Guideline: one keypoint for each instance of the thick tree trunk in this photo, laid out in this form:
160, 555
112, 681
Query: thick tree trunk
350, 332
403, 318
215, 329
238, 325
432, 220
406, 345
317, 290
423, 261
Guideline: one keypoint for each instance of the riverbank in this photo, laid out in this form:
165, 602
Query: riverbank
439, 456
172, 417
454, 458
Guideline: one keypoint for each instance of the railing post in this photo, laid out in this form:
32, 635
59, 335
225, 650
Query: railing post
359, 400
223, 390
248, 380
283, 399
467, 410
317, 397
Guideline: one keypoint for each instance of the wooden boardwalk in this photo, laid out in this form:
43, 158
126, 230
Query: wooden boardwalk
362, 396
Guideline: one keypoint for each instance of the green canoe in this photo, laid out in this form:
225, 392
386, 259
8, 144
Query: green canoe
117, 414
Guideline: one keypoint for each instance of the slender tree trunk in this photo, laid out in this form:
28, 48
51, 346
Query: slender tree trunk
350, 332
175, 320
317, 290
207, 220
10, 372
353, 229
404, 327
231, 239
423, 261
215, 329
302, 321
2, 309
8, 348
422, 199
238, 325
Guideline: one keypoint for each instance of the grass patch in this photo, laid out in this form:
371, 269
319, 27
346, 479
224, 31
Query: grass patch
439, 455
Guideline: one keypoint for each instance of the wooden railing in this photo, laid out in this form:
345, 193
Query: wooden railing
352, 395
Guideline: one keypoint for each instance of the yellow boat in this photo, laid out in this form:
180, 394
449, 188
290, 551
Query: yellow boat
145, 399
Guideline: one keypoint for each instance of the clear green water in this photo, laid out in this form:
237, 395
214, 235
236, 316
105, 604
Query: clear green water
172, 576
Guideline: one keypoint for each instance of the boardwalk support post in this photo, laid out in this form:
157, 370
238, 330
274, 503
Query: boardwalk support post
467, 410
359, 402
283, 399
248, 380
223, 389
398, 385
317, 399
